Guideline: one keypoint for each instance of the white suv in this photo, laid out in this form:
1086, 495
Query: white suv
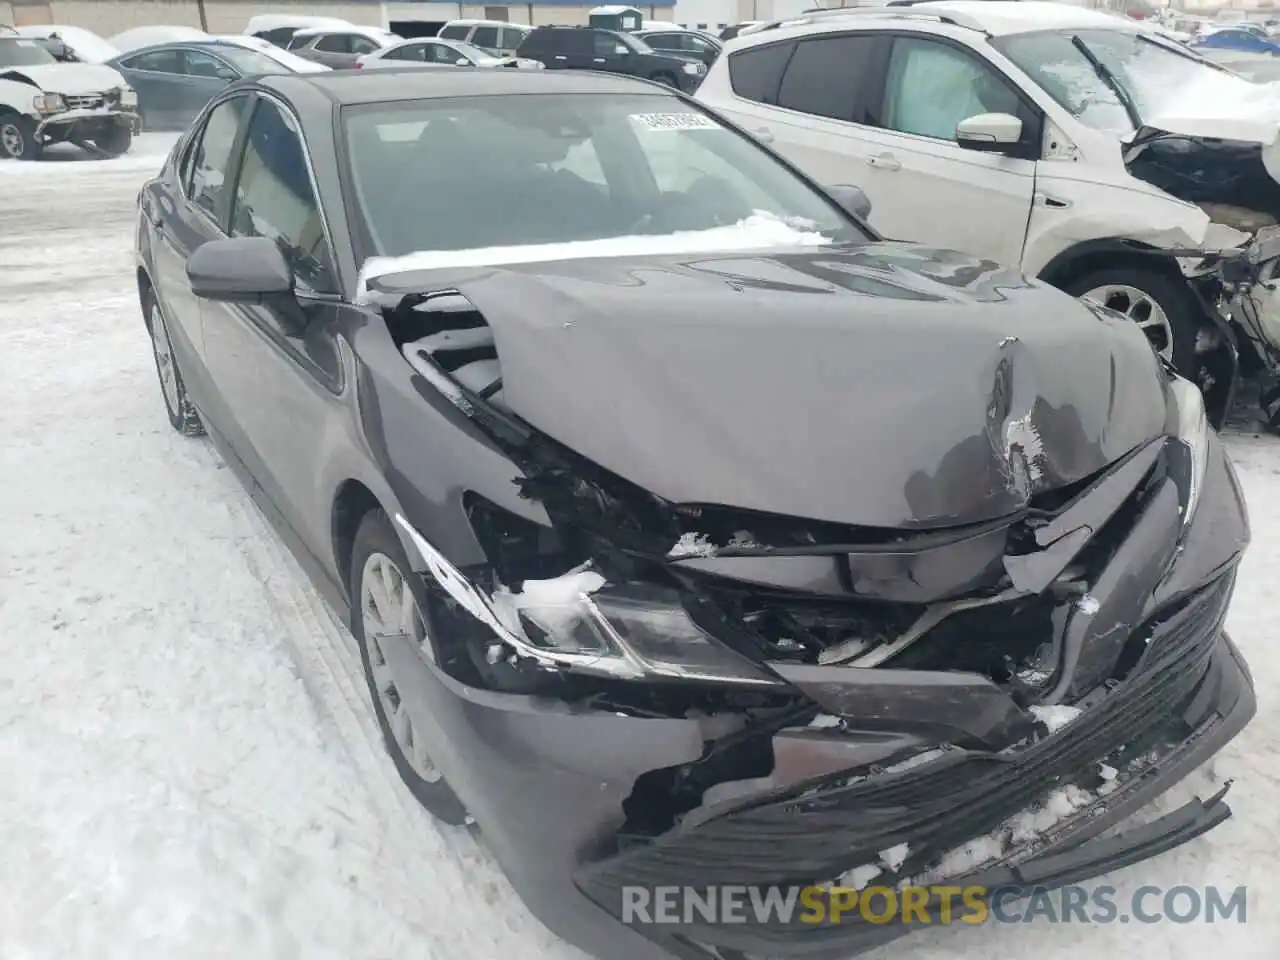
1000, 128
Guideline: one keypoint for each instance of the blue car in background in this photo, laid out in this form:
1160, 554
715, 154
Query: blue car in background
1235, 38
175, 80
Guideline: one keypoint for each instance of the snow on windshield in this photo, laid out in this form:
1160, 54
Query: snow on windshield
1158, 79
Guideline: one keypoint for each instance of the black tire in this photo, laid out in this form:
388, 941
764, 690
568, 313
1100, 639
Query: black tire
376, 536
1170, 293
182, 413
18, 138
116, 143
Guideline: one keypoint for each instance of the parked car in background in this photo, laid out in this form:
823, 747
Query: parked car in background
44, 101
175, 80
1237, 39
590, 48
990, 127
279, 28
690, 533
437, 52
495, 37
339, 47
684, 43
733, 30
83, 45
267, 48
150, 36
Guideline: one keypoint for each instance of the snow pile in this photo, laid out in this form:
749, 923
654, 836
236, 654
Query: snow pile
760, 231
1055, 717
691, 545
895, 856
558, 601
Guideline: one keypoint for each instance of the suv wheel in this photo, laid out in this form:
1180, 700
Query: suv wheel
18, 138
1161, 305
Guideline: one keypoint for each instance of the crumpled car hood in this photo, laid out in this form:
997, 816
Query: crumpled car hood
878, 384
69, 78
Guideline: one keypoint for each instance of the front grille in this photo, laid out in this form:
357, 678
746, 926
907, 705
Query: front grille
934, 807
84, 101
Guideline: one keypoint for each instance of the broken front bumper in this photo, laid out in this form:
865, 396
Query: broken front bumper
86, 124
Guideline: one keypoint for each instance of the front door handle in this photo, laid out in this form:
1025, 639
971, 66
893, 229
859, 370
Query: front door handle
597, 60
884, 161
558, 57
763, 134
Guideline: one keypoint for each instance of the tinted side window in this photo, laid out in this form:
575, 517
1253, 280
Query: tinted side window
932, 86
606, 45
439, 53
198, 64
824, 78
298, 42
274, 198
279, 36
756, 74
455, 31
159, 61
361, 45
334, 43
207, 184
664, 41
511, 38
485, 37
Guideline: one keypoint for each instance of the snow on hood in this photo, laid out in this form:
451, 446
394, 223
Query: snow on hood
69, 78
139, 37
758, 232
1233, 109
85, 44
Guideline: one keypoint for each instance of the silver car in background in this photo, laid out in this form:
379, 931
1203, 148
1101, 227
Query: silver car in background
432, 51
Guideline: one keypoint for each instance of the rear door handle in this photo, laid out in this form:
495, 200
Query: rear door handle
884, 161
763, 134
598, 60
558, 57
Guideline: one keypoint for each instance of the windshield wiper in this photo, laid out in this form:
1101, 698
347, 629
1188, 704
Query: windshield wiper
1106, 76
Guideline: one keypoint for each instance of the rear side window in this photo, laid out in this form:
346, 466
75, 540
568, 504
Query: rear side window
511, 38
756, 74
334, 43
207, 182
297, 42
455, 31
824, 77
157, 61
485, 37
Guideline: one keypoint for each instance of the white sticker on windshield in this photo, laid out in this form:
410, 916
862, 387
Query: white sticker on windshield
674, 121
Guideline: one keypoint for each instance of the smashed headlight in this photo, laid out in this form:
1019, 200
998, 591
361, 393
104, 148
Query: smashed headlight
1192, 431
579, 622
46, 104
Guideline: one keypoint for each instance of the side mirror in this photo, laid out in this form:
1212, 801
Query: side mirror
240, 270
989, 132
851, 199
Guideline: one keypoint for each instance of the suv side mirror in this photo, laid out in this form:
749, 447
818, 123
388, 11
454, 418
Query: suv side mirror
851, 199
989, 132
240, 270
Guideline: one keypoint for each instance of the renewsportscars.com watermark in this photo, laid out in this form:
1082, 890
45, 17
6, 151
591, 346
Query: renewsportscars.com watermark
932, 905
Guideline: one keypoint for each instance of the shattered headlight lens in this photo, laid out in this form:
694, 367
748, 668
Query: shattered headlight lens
1192, 430
636, 631
47, 103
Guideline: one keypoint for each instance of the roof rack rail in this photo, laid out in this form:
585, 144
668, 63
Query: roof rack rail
904, 9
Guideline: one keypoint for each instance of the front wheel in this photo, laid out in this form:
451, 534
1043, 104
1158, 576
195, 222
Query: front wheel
1162, 305
114, 142
177, 404
391, 631
18, 138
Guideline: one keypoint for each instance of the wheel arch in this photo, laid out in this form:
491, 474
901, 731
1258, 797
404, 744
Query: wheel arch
1082, 258
352, 502
145, 289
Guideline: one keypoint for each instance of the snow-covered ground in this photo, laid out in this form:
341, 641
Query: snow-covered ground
188, 764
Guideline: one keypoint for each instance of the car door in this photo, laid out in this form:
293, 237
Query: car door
608, 52
157, 76
442, 54
277, 364
204, 76
486, 38
571, 49
182, 216
923, 185
509, 40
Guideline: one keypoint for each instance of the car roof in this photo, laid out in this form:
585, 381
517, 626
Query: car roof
992, 17
411, 83
376, 32
487, 23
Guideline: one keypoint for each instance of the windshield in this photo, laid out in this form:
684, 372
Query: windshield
23, 53
484, 172
1155, 77
250, 61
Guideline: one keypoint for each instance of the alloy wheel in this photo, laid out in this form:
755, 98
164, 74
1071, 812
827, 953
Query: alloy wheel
12, 141
164, 361
1139, 307
388, 612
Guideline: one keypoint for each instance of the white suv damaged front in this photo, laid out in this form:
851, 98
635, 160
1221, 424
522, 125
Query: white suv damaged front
44, 101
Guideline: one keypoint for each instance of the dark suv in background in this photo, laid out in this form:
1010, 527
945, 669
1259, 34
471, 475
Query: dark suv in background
590, 48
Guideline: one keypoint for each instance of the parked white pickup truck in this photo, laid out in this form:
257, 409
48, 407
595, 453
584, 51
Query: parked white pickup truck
44, 100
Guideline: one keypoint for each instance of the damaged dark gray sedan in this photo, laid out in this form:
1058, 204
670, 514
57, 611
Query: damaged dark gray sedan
692, 534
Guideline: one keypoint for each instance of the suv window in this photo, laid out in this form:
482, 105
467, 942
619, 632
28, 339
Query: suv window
485, 37
361, 45
825, 76
455, 31
206, 182
274, 198
756, 74
932, 86
511, 38
334, 43
606, 44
